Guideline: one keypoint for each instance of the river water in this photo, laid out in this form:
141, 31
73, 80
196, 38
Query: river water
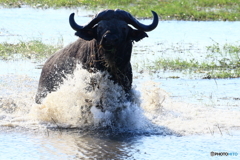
185, 118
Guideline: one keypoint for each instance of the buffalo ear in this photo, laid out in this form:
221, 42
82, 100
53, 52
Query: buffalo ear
86, 34
137, 35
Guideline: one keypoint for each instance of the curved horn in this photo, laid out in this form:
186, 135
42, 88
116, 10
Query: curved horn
127, 17
73, 24
131, 20
94, 21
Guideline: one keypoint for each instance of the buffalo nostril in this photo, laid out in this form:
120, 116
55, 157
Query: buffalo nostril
115, 40
110, 39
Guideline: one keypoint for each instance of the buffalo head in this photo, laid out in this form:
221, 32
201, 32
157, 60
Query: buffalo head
111, 30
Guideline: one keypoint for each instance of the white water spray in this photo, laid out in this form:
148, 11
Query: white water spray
92, 100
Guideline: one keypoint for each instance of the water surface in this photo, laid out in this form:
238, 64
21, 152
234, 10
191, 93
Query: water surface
181, 118
67, 146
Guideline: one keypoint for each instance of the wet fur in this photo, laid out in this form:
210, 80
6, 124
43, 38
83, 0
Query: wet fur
93, 57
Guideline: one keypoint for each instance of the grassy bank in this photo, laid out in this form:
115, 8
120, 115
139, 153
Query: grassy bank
221, 61
27, 50
167, 9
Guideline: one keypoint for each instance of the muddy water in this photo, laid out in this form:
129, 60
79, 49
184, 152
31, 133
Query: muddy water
167, 118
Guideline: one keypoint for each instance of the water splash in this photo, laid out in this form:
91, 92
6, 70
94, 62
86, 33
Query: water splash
92, 101
185, 118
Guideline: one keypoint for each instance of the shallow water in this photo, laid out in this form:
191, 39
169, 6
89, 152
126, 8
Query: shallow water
168, 118
50, 25
76, 146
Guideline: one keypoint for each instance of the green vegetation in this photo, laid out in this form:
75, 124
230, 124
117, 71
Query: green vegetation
167, 9
220, 62
27, 50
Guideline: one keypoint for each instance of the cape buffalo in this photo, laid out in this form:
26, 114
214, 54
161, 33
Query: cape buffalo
105, 44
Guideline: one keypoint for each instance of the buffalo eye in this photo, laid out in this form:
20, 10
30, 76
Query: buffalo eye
124, 29
100, 28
